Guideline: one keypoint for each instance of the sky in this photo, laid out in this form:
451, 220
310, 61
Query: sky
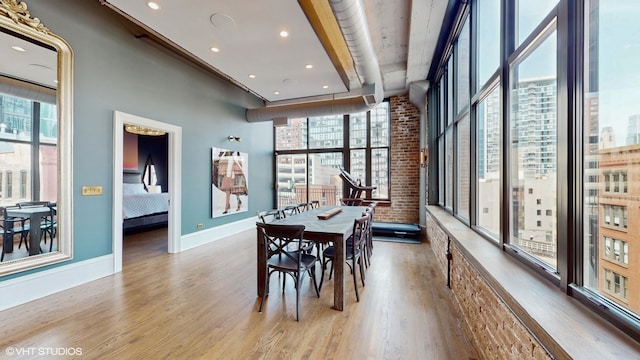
619, 60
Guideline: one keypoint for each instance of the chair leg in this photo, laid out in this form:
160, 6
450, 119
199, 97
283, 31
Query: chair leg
23, 237
361, 272
313, 277
324, 268
298, 280
355, 282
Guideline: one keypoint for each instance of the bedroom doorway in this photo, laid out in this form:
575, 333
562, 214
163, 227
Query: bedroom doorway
174, 174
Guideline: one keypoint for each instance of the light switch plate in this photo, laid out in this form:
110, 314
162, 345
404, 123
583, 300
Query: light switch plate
91, 190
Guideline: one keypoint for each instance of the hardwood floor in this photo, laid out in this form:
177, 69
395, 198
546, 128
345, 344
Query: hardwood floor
202, 304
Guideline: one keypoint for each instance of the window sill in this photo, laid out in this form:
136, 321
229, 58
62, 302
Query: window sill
563, 325
384, 203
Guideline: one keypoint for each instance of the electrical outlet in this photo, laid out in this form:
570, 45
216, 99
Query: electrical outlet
199, 226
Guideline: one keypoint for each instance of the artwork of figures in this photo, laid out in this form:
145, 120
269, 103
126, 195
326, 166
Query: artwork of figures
229, 188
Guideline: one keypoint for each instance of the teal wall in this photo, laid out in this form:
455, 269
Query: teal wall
115, 71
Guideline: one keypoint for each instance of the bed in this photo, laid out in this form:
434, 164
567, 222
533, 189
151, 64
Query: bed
141, 209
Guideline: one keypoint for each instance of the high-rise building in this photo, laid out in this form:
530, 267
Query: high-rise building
633, 130
607, 138
533, 178
489, 138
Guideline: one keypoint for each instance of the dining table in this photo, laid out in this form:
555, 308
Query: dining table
319, 228
35, 215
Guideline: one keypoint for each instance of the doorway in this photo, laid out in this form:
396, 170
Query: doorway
175, 180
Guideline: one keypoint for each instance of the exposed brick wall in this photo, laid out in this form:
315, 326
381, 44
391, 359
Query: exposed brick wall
438, 239
496, 330
405, 164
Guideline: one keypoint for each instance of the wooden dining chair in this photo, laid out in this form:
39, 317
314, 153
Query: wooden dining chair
277, 242
291, 210
353, 252
268, 216
9, 227
302, 207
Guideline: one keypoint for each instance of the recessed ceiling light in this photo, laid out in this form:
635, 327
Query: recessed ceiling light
153, 5
309, 66
284, 34
325, 86
215, 49
276, 93
18, 48
252, 76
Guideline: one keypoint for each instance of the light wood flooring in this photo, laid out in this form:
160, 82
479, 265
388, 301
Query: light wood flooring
202, 304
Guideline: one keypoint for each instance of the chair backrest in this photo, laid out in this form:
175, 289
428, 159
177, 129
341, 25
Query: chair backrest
280, 239
3, 216
302, 207
7, 223
314, 204
31, 204
351, 201
291, 210
361, 230
270, 215
372, 209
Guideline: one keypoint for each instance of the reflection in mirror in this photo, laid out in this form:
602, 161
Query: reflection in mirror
35, 142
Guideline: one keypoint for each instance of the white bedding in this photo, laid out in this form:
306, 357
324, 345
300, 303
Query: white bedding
136, 205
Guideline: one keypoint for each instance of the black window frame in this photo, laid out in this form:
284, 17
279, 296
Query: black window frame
345, 150
569, 19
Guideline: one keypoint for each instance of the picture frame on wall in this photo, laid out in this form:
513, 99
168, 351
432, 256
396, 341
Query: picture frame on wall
229, 185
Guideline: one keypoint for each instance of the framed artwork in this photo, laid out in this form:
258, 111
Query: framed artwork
229, 186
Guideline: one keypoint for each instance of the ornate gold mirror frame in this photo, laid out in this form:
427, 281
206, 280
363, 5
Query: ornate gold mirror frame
16, 20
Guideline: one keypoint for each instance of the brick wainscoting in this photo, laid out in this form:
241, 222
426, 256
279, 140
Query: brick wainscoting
496, 330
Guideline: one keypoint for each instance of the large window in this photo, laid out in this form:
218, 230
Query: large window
28, 151
464, 155
553, 128
530, 14
488, 39
533, 150
462, 68
310, 151
489, 141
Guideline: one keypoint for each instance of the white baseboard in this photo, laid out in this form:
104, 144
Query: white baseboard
37, 285
30, 287
192, 240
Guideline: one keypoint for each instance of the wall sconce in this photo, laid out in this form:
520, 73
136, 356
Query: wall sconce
234, 138
423, 157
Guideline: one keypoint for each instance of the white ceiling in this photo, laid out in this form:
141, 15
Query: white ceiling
34, 63
403, 34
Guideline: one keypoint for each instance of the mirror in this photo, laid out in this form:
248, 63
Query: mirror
35, 142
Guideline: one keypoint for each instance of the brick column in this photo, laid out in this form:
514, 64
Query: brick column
404, 164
